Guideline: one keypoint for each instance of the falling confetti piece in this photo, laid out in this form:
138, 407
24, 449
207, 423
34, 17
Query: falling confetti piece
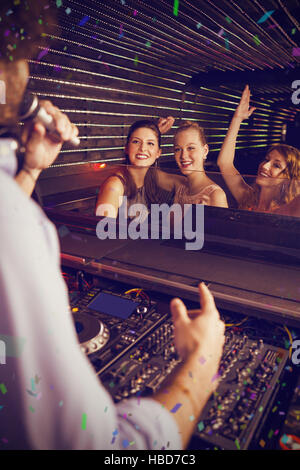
192, 418
294, 31
68, 10
201, 426
256, 40
237, 444
215, 377
136, 60
199, 25
175, 7
63, 231
61, 403
125, 443
84, 20
58, 3
228, 19
83, 421
32, 409
265, 16
176, 407
3, 389
221, 32
262, 443
135, 13
148, 44
296, 51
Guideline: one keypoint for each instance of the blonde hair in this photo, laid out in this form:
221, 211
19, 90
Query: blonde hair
290, 186
185, 125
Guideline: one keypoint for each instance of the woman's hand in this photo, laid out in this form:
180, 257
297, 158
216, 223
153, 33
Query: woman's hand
165, 124
244, 110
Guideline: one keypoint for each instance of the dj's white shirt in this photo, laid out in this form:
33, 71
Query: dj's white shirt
50, 397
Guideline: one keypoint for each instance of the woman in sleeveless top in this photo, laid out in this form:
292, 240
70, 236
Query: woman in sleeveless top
191, 150
277, 184
140, 181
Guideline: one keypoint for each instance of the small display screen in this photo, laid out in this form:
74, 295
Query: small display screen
113, 305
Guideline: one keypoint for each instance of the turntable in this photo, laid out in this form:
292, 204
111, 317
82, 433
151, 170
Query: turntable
92, 333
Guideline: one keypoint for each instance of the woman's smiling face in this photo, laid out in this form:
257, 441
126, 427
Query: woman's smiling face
143, 148
189, 151
270, 169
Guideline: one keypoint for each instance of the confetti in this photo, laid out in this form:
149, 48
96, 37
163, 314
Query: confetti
84, 20
3, 389
135, 13
58, 3
199, 25
43, 53
201, 426
63, 231
125, 443
148, 44
256, 40
262, 443
237, 444
192, 418
221, 32
32, 409
61, 403
265, 16
83, 421
68, 10
175, 7
136, 60
294, 31
296, 51
176, 407
215, 377
228, 19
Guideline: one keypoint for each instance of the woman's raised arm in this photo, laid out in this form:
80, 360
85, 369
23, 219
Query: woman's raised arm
232, 177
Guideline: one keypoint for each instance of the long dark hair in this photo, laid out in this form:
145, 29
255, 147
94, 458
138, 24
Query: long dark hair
154, 194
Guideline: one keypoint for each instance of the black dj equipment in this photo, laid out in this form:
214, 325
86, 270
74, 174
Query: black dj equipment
131, 347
